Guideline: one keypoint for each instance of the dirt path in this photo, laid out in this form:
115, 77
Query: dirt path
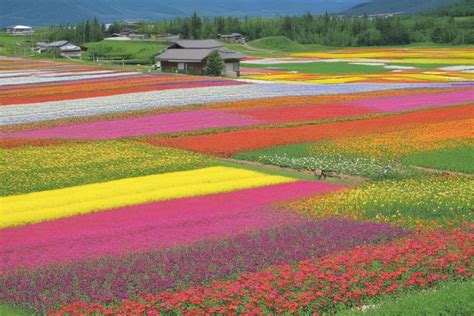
355, 179
444, 172
250, 47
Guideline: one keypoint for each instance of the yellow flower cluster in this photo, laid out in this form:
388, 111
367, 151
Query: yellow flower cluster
47, 205
429, 201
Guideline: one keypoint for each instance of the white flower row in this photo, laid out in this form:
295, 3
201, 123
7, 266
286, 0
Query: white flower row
17, 114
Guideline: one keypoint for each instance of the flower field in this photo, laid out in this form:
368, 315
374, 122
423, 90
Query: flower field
381, 66
125, 193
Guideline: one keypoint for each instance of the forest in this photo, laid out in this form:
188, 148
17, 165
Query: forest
449, 25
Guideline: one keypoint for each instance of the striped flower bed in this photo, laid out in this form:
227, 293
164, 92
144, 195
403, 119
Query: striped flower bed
48, 205
151, 226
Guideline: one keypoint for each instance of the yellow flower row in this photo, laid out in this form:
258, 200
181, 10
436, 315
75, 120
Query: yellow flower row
53, 204
416, 55
420, 76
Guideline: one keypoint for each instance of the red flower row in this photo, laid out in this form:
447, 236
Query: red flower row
229, 143
342, 280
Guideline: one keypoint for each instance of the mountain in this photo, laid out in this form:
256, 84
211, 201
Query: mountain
46, 12
460, 8
399, 6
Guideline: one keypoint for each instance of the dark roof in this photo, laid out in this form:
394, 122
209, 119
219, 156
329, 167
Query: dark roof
231, 35
184, 55
196, 44
195, 55
227, 54
58, 44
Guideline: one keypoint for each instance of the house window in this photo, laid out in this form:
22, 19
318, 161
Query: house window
181, 66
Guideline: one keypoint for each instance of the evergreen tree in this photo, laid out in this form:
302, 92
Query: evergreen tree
196, 24
215, 64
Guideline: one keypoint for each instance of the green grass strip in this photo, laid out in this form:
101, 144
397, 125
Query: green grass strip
452, 298
457, 159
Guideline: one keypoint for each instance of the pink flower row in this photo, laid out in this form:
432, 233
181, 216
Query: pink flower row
151, 226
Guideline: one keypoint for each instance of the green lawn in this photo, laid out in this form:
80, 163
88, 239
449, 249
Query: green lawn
9, 310
140, 52
458, 159
321, 68
14, 45
11, 45
452, 298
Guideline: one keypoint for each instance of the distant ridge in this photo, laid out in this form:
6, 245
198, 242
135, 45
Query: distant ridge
47, 12
399, 6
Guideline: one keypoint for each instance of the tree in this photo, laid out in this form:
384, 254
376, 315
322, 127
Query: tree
370, 37
196, 24
215, 64
186, 29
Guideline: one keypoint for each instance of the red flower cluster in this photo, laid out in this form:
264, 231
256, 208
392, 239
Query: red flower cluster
341, 280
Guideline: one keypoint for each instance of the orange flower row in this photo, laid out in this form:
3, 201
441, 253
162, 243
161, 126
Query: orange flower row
229, 143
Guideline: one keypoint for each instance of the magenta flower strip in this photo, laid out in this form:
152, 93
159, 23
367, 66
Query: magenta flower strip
411, 102
155, 124
152, 226
113, 278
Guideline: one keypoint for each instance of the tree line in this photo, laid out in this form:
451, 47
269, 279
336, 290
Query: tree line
326, 29
82, 32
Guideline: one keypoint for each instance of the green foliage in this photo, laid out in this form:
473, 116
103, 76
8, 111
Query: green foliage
141, 52
451, 298
29, 169
458, 159
322, 68
10, 310
196, 25
87, 31
460, 8
289, 32
215, 64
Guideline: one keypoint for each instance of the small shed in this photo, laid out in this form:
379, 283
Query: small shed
168, 37
190, 56
235, 38
65, 48
137, 37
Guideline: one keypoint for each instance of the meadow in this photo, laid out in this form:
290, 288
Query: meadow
130, 193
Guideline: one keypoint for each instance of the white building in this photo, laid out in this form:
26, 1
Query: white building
20, 30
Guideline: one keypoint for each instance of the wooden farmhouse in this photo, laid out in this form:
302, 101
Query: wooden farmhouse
190, 56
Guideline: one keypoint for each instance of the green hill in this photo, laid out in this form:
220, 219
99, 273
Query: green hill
277, 43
